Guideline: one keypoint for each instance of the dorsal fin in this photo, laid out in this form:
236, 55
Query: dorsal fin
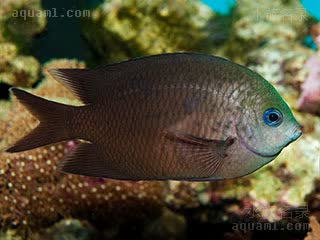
90, 84
83, 83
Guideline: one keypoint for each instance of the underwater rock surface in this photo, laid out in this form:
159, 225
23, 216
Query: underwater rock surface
257, 23
17, 67
310, 97
121, 30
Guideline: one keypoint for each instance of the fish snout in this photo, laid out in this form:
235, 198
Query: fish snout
297, 132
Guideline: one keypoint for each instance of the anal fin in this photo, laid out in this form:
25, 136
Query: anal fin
89, 161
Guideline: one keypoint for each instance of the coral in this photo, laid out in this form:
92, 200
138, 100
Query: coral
5, 105
310, 97
315, 34
17, 28
20, 71
183, 194
280, 62
20, 20
314, 234
33, 193
313, 199
8, 51
120, 30
259, 22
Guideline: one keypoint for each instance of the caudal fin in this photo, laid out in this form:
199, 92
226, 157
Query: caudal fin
52, 127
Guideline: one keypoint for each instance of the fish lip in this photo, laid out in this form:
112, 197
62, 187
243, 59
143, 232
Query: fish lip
297, 132
244, 145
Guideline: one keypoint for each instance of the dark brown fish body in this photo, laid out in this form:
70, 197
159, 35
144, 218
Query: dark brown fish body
172, 116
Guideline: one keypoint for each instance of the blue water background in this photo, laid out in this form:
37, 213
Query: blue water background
222, 7
313, 7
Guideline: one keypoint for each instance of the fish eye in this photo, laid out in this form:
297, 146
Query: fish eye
272, 117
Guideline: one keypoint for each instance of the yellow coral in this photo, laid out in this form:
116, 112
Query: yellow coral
16, 33
7, 52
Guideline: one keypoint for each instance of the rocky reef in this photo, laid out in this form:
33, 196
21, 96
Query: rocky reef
17, 29
121, 30
310, 98
259, 22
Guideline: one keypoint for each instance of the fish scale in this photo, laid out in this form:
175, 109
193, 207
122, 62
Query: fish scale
181, 116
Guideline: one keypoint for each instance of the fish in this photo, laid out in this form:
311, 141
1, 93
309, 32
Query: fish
177, 116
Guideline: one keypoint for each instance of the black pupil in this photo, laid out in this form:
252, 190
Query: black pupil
273, 117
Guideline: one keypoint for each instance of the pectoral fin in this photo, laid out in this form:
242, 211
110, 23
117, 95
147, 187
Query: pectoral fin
206, 155
198, 141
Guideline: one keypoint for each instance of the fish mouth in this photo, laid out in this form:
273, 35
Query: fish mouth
244, 145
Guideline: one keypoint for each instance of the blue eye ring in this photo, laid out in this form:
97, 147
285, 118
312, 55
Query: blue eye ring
272, 117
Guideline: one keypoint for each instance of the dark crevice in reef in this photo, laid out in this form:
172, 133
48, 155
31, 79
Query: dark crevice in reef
4, 91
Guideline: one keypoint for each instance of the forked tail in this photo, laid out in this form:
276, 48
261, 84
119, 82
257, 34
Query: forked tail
53, 125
